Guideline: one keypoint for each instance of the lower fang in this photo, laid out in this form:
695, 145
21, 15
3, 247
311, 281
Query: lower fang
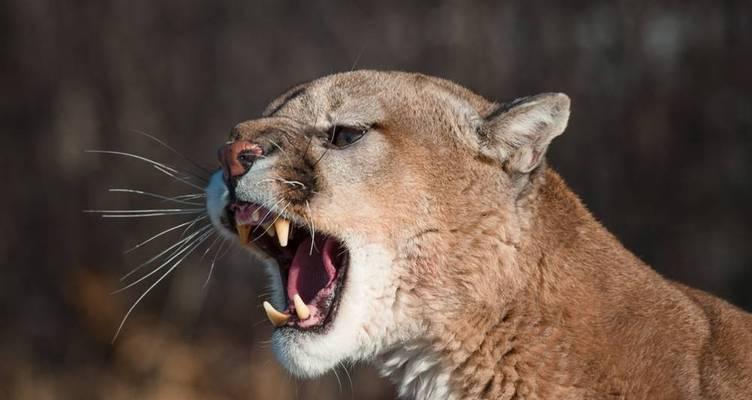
277, 318
301, 308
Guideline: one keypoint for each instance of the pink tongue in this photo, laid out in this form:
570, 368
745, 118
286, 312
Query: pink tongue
312, 270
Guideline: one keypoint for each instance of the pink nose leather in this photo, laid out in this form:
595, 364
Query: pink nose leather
237, 157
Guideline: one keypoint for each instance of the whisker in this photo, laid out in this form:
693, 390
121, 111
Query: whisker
313, 230
166, 210
280, 213
285, 181
198, 240
172, 149
209, 248
293, 183
214, 261
267, 214
164, 232
145, 159
149, 214
177, 178
161, 166
182, 234
163, 252
227, 250
190, 196
339, 383
284, 152
349, 378
271, 226
153, 285
308, 146
266, 231
334, 127
154, 195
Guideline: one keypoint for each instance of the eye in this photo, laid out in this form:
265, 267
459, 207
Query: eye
343, 136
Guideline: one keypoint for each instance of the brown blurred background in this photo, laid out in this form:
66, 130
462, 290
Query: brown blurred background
659, 147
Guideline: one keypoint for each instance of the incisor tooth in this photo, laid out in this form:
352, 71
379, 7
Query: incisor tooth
243, 232
282, 227
277, 318
301, 308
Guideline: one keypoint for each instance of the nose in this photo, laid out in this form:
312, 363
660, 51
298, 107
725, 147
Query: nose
237, 157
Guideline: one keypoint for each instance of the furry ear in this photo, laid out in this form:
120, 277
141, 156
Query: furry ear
518, 133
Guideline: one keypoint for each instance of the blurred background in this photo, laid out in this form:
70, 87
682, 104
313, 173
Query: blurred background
659, 147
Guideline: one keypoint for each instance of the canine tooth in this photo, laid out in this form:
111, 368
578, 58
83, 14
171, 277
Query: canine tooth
282, 227
277, 318
243, 233
301, 308
255, 216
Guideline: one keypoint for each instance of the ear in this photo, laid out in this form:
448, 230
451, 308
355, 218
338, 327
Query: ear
518, 133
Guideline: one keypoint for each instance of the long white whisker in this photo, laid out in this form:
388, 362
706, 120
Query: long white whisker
149, 214
135, 303
177, 178
165, 210
122, 153
164, 232
209, 248
214, 261
190, 196
163, 252
200, 239
172, 149
155, 195
182, 234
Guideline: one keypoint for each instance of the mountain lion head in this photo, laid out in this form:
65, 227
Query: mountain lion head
386, 207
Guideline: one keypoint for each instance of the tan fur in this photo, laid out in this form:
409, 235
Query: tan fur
502, 280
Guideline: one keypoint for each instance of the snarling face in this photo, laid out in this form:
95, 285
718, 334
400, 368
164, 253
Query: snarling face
359, 192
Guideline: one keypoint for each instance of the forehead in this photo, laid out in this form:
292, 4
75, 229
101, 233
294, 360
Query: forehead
340, 95
367, 96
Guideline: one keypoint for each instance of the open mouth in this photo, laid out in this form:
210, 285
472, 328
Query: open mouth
312, 264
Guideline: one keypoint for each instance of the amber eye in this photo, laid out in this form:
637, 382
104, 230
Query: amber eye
343, 136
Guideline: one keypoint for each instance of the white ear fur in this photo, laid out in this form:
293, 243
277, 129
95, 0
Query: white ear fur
518, 133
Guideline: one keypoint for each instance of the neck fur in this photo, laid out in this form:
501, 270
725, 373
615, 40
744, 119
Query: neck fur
475, 353
417, 370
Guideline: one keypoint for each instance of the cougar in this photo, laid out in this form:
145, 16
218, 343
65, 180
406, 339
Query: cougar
407, 222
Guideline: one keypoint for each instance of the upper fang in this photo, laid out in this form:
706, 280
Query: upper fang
282, 229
